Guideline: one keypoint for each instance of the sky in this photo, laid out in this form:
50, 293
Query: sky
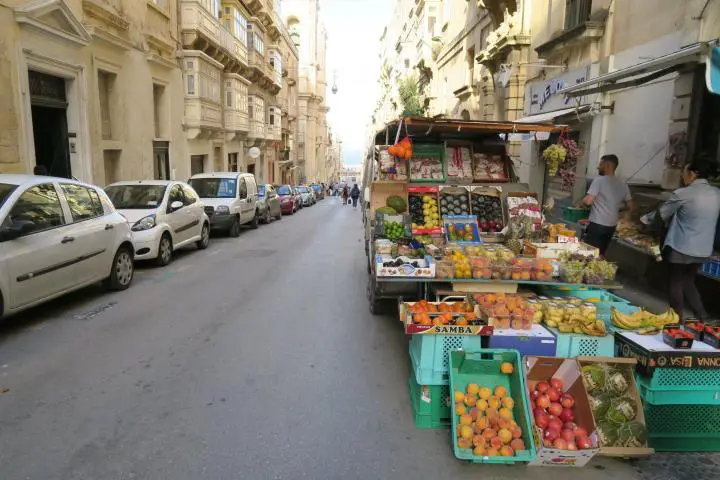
354, 28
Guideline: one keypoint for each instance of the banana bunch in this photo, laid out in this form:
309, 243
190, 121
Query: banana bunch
582, 325
642, 319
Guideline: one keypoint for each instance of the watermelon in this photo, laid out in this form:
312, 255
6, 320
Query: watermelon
600, 404
607, 433
616, 382
386, 211
593, 377
621, 410
397, 203
632, 434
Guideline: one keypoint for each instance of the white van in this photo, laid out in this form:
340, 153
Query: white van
230, 199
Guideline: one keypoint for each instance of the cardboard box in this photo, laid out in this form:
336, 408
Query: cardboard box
426, 267
540, 369
651, 352
628, 366
537, 341
411, 328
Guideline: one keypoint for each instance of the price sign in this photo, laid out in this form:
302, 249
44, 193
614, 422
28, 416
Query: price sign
564, 239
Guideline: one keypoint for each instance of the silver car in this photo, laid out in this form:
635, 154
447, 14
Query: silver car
268, 203
307, 194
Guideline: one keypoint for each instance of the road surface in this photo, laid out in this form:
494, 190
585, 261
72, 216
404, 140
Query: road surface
254, 359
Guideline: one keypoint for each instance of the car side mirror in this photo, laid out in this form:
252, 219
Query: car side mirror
17, 229
176, 205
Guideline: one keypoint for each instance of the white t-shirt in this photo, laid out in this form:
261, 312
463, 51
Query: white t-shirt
610, 193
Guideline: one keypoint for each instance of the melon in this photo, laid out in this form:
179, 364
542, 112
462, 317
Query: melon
386, 211
397, 203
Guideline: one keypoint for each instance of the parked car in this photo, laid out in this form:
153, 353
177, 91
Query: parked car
319, 191
268, 203
164, 216
230, 200
307, 195
56, 236
290, 201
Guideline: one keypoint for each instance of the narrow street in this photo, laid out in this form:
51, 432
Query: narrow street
256, 358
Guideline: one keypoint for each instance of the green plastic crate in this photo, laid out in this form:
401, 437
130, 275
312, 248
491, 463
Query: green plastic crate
574, 214
571, 345
430, 404
429, 355
681, 386
482, 367
683, 428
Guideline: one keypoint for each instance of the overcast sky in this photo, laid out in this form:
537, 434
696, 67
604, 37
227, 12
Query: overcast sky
354, 28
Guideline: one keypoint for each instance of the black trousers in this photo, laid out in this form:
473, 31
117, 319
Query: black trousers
599, 236
682, 289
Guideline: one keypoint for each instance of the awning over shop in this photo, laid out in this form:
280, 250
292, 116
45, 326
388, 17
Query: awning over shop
550, 116
712, 71
655, 68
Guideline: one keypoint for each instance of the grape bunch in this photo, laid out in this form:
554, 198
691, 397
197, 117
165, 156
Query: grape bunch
554, 155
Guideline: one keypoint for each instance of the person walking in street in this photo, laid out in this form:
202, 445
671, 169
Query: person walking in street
606, 196
345, 195
355, 194
691, 214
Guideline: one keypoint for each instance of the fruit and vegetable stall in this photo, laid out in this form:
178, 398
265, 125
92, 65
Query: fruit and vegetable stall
518, 344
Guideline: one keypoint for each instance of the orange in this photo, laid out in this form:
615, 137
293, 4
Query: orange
500, 391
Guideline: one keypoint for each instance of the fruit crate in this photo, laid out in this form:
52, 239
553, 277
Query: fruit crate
683, 428
571, 345
711, 268
574, 215
681, 386
429, 355
602, 299
482, 367
430, 404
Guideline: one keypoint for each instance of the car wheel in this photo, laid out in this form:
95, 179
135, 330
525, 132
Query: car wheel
165, 250
255, 221
204, 241
234, 227
122, 270
268, 217
279, 215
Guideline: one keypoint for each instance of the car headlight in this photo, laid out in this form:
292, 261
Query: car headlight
222, 209
145, 223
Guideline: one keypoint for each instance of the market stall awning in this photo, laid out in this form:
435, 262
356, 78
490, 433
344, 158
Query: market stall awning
551, 116
713, 71
655, 68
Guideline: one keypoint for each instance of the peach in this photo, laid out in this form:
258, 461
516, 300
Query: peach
472, 389
485, 393
494, 402
500, 391
466, 432
507, 451
479, 441
516, 432
470, 400
517, 444
496, 443
482, 404
505, 435
491, 452
459, 396
505, 413
466, 419
482, 423
475, 413
488, 433
504, 423
460, 408
506, 368
492, 413
508, 402
479, 451
463, 443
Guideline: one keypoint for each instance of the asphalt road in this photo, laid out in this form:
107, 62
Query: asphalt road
254, 359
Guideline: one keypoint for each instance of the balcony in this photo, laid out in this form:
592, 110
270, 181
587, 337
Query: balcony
258, 70
236, 122
257, 129
203, 107
510, 33
201, 30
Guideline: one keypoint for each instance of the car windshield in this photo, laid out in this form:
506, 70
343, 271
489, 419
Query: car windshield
214, 187
316, 188
302, 189
261, 190
284, 190
136, 196
5, 190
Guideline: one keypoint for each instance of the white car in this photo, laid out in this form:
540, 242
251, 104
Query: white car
230, 199
163, 216
58, 235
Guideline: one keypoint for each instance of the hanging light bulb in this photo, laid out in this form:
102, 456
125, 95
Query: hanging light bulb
334, 87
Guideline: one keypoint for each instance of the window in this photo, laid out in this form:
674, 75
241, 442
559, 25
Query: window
214, 187
190, 196
5, 190
471, 65
407, 63
215, 8
272, 118
250, 108
191, 84
159, 109
175, 195
159, 3
258, 43
196, 164
431, 26
240, 27
136, 197
228, 99
577, 12
106, 85
82, 206
39, 205
242, 189
233, 162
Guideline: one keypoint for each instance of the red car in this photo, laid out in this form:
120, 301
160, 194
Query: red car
290, 199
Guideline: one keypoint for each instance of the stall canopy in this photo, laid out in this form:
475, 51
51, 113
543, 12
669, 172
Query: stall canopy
551, 116
651, 69
713, 71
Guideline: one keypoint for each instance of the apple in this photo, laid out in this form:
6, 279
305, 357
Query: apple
560, 444
567, 415
534, 395
538, 411
556, 409
553, 394
542, 401
567, 400
554, 424
580, 432
542, 387
583, 442
541, 420
556, 383
570, 426
550, 435
568, 435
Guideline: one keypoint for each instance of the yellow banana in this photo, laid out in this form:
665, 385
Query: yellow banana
627, 322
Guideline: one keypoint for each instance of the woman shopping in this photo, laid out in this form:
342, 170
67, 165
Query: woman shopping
345, 194
691, 214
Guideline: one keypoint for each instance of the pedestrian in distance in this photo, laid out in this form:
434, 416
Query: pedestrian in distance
345, 194
606, 197
355, 195
691, 214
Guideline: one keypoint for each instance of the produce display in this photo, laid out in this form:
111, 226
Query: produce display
485, 419
424, 210
578, 268
459, 162
461, 265
461, 232
554, 416
506, 310
630, 232
642, 319
443, 313
571, 318
403, 149
614, 407
555, 230
519, 228
397, 203
454, 203
390, 167
676, 337
393, 230
488, 210
599, 272
711, 336
553, 155
425, 167
524, 205
488, 168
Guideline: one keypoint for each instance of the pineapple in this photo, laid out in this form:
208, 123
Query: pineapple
515, 245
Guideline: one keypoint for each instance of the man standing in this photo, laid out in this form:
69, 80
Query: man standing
606, 196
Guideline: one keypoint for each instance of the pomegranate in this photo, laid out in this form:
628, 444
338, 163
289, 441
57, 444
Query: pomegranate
567, 400
581, 432
542, 387
553, 394
555, 424
542, 402
556, 409
556, 383
541, 420
534, 395
568, 435
538, 410
560, 444
550, 435
567, 415
570, 426
583, 442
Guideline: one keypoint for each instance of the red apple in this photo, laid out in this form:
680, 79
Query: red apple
560, 444
567, 400
542, 401
568, 435
567, 415
541, 420
556, 383
570, 426
538, 410
581, 432
534, 395
583, 442
555, 409
553, 394
572, 446
542, 387
550, 435
554, 424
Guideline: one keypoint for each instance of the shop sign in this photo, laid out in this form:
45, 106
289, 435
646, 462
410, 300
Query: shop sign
543, 96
